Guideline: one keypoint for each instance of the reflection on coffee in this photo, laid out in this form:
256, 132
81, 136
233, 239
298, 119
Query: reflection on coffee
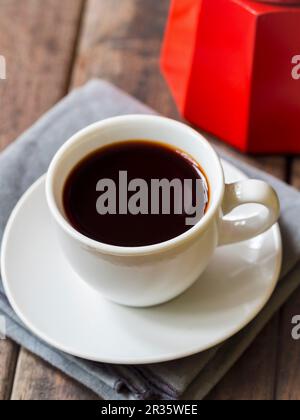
135, 193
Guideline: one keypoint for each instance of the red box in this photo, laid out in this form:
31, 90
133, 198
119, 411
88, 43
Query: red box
234, 69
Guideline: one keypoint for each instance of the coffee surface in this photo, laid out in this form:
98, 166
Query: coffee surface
97, 185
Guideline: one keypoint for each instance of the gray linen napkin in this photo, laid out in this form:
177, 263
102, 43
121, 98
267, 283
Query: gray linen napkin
191, 378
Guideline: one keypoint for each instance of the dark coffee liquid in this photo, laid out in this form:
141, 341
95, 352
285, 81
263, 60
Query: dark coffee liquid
142, 160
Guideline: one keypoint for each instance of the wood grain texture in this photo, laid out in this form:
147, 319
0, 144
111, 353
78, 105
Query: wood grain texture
120, 41
288, 377
253, 377
8, 358
39, 381
37, 40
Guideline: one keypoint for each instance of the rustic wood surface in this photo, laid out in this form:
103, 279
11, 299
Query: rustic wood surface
39, 60
36, 380
288, 377
55, 46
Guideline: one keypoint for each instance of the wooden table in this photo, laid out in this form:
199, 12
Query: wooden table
51, 46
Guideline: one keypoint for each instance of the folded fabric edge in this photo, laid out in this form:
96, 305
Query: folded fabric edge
48, 355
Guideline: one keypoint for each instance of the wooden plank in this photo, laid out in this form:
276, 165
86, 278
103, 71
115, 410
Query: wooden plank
39, 381
288, 376
8, 359
37, 40
38, 61
120, 41
253, 376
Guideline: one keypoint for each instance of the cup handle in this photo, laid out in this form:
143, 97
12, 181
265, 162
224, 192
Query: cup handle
245, 192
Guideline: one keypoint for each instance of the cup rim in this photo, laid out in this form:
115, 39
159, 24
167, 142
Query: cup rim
102, 247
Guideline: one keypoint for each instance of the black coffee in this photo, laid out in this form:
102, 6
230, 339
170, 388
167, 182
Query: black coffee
135, 193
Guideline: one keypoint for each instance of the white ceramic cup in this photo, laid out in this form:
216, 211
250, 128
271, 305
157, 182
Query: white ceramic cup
150, 275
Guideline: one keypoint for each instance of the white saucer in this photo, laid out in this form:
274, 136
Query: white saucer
57, 306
